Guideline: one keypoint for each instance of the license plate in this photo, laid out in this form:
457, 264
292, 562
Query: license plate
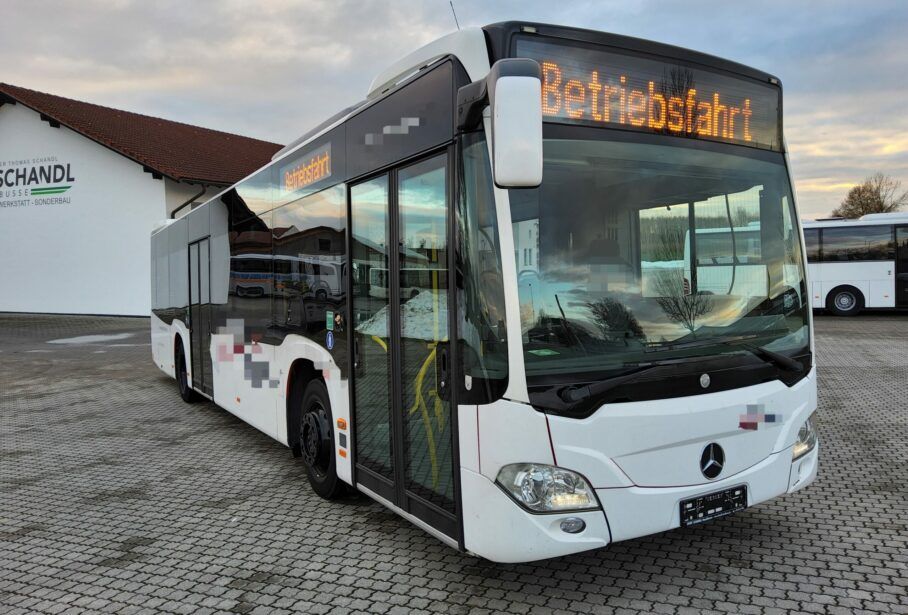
713, 505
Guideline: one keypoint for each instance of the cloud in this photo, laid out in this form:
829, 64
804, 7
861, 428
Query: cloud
274, 69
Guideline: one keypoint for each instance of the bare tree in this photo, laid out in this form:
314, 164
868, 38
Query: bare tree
878, 194
615, 320
680, 306
677, 81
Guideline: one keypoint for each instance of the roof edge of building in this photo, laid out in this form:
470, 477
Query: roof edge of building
10, 93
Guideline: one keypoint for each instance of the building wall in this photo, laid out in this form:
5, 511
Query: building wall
85, 250
176, 194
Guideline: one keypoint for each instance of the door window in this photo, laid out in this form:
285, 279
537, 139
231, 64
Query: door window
371, 326
425, 362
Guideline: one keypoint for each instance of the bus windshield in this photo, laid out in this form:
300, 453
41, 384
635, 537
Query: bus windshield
636, 251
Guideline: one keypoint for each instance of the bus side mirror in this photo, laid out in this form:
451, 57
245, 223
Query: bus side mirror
515, 98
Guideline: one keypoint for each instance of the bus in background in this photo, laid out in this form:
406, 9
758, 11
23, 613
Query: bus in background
515, 363
728, 262
858, 264
251, 275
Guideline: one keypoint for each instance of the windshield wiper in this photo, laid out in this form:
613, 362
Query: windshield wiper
573, 393
567, 329
779, 360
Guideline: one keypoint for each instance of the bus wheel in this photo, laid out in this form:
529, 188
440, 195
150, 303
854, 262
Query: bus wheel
845, 301
187, 394
316, 441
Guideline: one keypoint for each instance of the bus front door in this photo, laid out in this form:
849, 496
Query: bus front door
404, 438
200, 315
901, 266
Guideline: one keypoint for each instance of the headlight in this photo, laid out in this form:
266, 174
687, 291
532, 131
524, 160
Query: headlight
545, 488
807, 439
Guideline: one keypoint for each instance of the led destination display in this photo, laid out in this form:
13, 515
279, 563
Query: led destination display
581, 85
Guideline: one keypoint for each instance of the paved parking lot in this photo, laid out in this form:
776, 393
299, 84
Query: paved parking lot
117, 497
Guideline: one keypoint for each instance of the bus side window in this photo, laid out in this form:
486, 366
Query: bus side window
479, 280
306, 292
812, 242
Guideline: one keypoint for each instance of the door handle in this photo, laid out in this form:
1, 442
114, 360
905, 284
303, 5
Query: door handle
443, 369
355, 352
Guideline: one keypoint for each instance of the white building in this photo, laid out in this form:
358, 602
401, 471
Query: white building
81, 187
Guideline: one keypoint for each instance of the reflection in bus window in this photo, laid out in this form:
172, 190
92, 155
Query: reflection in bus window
660, 245
484, 350
251, 277
371, 322
858, 243
422, 198
309, 249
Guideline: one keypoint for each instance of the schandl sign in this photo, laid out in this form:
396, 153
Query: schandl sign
35, 182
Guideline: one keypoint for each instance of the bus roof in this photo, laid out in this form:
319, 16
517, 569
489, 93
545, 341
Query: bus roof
500, 36
896, 217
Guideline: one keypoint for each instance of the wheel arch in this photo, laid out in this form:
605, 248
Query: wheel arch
301, 360
179, 334
301, 373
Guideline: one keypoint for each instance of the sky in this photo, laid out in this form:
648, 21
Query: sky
273, 69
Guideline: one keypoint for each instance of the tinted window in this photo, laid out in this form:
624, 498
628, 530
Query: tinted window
254, 195
812, 241
484, 351
422, 195
250, 286
309, 291
312, 168
413, 119
858, 243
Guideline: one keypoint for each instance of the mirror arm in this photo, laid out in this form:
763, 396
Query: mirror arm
471, 100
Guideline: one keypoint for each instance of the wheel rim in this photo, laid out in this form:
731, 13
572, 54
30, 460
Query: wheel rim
314, 439
845, 301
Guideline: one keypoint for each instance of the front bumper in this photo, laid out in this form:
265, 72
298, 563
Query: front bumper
639, 511
498, 529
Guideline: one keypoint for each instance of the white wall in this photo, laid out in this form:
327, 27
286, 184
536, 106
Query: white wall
90, 255
176, 194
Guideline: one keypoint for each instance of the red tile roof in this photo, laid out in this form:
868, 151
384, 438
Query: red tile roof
179, 151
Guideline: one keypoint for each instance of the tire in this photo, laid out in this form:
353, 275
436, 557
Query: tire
845, 301
315, 434
187, 393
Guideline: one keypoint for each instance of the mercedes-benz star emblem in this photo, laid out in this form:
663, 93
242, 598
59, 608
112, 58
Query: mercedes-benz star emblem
712, 460
704, 381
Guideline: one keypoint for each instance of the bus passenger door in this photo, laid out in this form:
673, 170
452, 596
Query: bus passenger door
402, 407
422, 303
370, 311
901, 266
200, 315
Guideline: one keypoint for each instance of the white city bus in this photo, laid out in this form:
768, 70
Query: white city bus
560, 380
857, 264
